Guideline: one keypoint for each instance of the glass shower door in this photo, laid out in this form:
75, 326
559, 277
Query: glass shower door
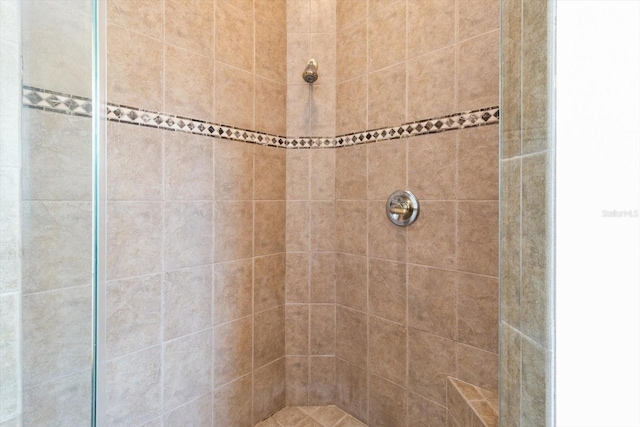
48, 214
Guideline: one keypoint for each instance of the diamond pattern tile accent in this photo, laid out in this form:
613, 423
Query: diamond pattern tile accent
70, 104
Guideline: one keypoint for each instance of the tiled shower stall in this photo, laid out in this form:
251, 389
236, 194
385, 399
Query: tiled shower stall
250, 265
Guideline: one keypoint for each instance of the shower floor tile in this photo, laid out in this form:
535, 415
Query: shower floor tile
311, 416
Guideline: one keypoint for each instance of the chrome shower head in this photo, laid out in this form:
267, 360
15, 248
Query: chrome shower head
310, 74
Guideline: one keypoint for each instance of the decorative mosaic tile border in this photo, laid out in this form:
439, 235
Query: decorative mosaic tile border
75, 105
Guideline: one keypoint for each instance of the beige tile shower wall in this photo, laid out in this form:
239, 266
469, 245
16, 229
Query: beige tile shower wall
10, 236
311, 207
416, 304
419, 304
56, 218
196, 262
407, 60
527, 182
311, 33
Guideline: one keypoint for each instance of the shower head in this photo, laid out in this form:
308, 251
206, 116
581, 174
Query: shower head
310, 74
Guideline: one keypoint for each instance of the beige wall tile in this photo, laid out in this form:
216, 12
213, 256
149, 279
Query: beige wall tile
351, 336
132, 56
477, 367
297, 16
478, 163
187, 301
477, 241
510, 374
188, 241
234, 96
510, 238
323, 226
535, 378
322, 15
140, 16
233, 223
351, 50
272, 12
9, 20
10, 319
232, 403
322, 119
432, 301
268, 341
351, 106
270, 173
387, 403
351, 173
387, 170
510, 77
387, 290
268, 390
298, 53
233, 170
43, 224
297, 278
477, 301
387, 37
322, 329
388, 349
433, 27
432, 166
56, 334
297, 329
351, 389
268, 288
232, 295
134, 387
323, 175
189, 30
186, 369
197, 412
297, 374
298, 174
190, 96
298, 109
269, 227
56, 153
387, 100
271, 107
323, 50
386, 240
188, 167
134, 239
323, 278
297, 238
322, 380
11, 241
478, 72
351, 281
536, 77
134, 163
536, 241
65, 401
432, 238
422, 409
431, 84
431, 360
48, 52
475, 18
351, 229
270, 52
232, 348
350, 11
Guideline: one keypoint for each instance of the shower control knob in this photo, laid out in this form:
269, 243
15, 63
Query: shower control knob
402, 208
